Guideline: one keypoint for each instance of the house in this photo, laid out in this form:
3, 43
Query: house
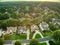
2, 32
34, 28
44, 26
22, 29
27, 14
56, 21
5, 32
11, 29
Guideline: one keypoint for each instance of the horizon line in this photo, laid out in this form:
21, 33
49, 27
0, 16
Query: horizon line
29, 1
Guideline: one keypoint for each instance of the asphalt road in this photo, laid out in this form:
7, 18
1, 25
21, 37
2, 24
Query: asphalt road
27, 41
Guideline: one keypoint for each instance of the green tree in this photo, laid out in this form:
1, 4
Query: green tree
17, 43
56, 37
54, 27
2, 10
51, 43
34, 42
12, 22
4, 16
1, 41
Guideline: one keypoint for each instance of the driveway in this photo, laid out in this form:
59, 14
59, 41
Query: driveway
38, 32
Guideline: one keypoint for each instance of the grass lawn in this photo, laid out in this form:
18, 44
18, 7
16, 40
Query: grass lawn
15, 37
47, 34
37, 36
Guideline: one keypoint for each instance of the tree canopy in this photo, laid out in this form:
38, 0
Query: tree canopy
56, 36
17, 43
1, 41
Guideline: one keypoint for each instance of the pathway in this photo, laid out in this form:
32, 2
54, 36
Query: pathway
38, 32
28, 33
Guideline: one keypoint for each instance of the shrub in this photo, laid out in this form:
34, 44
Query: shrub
17, 43
1, 41
34, 42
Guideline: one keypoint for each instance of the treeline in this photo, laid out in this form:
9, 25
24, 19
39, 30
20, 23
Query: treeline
52, 5
27, 13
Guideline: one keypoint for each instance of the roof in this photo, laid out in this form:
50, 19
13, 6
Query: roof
22, 27
43, 23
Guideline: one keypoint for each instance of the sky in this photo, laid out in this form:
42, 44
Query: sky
32, 0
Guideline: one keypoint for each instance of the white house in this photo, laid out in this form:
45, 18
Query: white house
56, 21
44, 26
11, 29
22, 29
34, 27
4, 32
27, 14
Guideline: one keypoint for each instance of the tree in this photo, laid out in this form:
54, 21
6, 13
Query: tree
2, 10
17, 43
51, 43
3, 24
34, 42
56, 37
14, 15
12, 22
1, 41
4, 16
54, 27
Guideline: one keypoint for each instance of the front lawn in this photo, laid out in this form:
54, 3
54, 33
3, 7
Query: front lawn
15, 37
37, 36
47, 34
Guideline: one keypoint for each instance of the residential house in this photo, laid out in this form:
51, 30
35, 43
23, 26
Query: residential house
33, 14
56, 21
11, 29
44, 26
34, 28
22, 29
5, 32
27, 14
